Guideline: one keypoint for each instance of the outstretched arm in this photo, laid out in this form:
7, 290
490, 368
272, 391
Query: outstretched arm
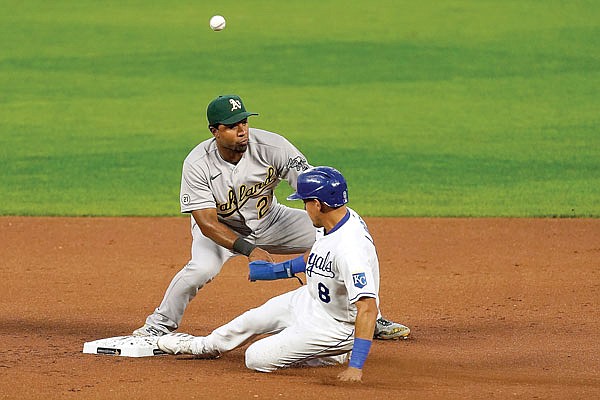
222, 235
268, 271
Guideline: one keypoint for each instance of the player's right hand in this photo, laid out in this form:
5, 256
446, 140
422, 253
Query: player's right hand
350, 375
260, 254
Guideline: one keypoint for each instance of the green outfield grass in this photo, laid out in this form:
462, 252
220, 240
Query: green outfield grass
430, 108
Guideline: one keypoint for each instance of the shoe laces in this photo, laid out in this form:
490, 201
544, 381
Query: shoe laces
154, 331
384, 322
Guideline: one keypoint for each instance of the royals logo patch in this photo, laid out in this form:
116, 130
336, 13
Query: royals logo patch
360, 280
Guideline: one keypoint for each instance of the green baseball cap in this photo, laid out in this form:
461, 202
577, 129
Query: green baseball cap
226, 109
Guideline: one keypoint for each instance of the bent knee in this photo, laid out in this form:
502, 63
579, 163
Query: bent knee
258, 361
198, 275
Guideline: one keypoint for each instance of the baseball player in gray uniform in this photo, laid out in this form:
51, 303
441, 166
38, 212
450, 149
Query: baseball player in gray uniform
316, 324
227, 185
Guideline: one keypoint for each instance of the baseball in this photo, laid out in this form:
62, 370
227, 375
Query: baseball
217, 23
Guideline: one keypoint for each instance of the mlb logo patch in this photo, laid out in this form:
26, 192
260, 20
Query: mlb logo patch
360, 280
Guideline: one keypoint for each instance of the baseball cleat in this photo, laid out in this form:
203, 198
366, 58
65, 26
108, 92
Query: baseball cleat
183, 343
176, 343
149, 330
388, 330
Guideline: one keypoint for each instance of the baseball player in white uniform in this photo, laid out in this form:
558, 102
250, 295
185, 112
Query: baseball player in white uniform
227, 185
316, 324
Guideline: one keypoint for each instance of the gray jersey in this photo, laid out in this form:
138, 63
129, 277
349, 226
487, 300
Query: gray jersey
243, 193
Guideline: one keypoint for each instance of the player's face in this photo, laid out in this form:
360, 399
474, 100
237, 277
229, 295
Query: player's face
313, 209
233, 137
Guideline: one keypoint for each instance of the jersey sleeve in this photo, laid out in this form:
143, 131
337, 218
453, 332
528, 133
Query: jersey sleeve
195, 191
357, 275
291, 163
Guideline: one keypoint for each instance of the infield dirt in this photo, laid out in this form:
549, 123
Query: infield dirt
499, 308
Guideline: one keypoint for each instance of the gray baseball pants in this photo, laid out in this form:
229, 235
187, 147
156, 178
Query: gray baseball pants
284, 231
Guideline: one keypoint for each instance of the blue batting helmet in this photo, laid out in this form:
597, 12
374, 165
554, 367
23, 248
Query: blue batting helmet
323, 183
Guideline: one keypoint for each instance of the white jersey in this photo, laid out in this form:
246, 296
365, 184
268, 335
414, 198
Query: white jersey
314, 324
343, 267
241, 193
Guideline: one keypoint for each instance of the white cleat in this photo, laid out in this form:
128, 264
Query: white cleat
388, 330
183, 343
176, 343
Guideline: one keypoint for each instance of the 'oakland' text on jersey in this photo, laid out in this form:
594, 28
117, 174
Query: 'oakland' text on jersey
241, 193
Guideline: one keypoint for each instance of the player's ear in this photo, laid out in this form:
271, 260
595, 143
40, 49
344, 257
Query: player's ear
212, 129
319, 205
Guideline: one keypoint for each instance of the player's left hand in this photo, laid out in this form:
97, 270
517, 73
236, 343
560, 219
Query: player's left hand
351, 375
260, 254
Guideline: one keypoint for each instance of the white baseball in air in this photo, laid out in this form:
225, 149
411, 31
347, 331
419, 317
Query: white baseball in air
217, 23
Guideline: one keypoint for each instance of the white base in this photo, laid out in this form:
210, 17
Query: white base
125, 346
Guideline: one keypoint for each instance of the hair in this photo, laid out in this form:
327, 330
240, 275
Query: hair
216, 124
324, 206
328, 208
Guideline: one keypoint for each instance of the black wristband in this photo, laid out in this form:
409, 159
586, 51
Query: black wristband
243, 247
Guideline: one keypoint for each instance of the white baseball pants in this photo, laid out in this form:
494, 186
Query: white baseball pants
302, 334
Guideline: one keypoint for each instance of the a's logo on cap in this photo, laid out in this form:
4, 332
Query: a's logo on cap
235, 104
